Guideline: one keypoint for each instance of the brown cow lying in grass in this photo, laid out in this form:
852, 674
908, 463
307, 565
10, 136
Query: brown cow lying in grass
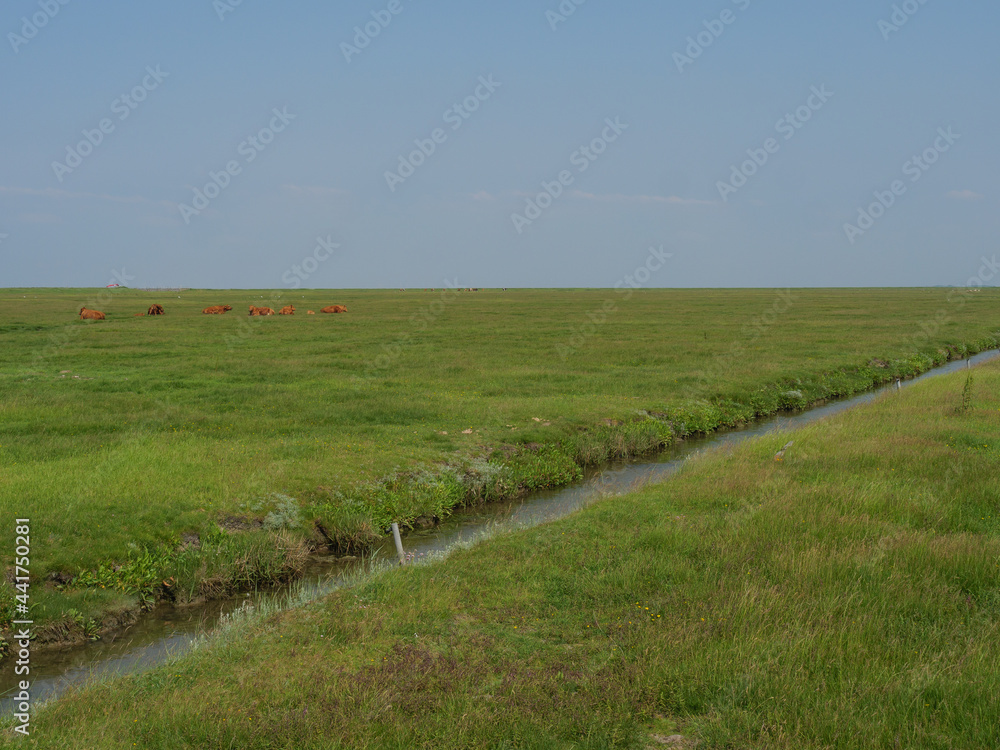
334, 309
310, 312
254, 311
86, 314
287, 310
155, 310
217, 310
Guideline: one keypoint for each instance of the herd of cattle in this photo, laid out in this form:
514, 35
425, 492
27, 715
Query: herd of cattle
86, 314
287, 310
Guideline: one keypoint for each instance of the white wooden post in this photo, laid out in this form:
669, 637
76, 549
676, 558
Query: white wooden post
399, 544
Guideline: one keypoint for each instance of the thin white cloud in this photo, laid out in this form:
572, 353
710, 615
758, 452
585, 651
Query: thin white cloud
667, 200
316, 190
482, 195
57, 194
40, 219
965, 195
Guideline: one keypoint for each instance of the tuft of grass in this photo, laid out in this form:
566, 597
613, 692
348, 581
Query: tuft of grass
286, 513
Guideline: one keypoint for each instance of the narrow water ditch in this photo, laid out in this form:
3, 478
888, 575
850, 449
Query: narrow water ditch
166, 631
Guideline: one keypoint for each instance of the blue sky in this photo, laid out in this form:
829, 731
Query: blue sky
689, 111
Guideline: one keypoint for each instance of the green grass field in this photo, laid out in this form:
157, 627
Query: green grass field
213, 449
843, 597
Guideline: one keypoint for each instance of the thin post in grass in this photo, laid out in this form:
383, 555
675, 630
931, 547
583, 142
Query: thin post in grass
399, 544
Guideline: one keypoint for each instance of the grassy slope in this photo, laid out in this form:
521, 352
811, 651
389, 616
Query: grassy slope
188, 418
844, 597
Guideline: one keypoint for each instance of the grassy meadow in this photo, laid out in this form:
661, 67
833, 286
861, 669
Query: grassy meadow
190, 455
845, 596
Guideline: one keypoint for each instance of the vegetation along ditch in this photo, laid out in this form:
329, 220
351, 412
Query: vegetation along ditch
277, 553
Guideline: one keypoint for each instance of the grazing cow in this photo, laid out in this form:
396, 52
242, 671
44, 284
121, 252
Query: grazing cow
334, 309
255, 311
287, 310
86, 314
310, 312
217, 310
155, 310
